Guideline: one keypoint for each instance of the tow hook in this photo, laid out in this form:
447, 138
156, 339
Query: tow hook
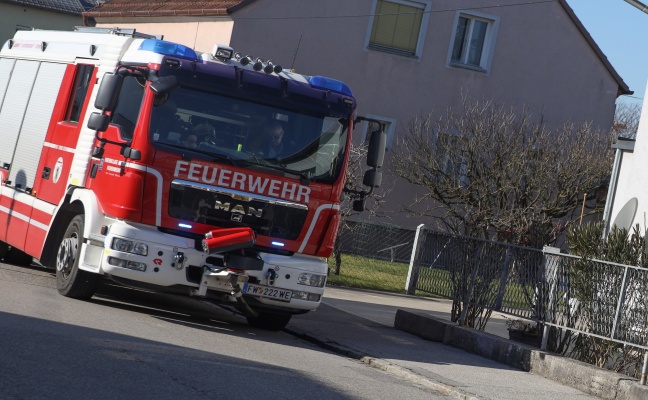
238, 295
270, 277
179, 260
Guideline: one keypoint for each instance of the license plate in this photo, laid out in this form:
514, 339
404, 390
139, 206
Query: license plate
267, 292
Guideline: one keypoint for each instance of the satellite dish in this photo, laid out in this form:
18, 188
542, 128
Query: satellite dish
626, 216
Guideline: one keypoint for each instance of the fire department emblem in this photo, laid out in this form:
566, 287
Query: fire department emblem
58, 168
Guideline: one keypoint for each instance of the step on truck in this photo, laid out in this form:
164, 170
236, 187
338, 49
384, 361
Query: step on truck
214, 175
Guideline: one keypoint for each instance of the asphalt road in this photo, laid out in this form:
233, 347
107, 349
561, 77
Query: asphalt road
131, 344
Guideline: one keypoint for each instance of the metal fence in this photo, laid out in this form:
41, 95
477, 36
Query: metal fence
598, 298
377, 240
374, 256
595, 298
496, 276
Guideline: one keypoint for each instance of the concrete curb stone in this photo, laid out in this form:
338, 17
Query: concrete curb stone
584, 377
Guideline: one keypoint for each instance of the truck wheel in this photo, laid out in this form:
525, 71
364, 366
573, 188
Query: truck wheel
18, 257
70, 280
4, 248
269, 321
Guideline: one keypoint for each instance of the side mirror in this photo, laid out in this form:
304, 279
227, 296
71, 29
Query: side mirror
98, 122
164, 84
109, 90
376, 151
372, 178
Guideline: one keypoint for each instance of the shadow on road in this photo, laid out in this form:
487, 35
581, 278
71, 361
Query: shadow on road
44, 359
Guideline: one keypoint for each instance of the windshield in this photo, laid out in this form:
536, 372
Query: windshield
247, 133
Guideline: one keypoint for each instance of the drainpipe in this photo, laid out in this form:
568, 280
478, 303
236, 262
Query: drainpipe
638, 4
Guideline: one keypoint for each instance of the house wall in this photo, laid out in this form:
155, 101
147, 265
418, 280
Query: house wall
199, 33
631, 182
12, 15
541, 63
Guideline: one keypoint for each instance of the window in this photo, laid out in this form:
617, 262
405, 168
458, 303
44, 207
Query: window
370, 127
79, 92
450, 157
473, 41
397, 27
128, 106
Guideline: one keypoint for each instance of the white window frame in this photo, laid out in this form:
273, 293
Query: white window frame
488, 48
422, 4
390, 129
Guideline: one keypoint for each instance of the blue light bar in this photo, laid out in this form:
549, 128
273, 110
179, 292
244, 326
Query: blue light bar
278, 244
168, 48
187, 226
325, 83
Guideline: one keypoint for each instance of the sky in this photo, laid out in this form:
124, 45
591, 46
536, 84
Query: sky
621, 31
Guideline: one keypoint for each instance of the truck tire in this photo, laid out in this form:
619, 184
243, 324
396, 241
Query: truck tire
18, 257
70, 280
269, 321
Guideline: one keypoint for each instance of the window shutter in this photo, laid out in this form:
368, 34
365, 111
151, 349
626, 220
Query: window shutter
396, 27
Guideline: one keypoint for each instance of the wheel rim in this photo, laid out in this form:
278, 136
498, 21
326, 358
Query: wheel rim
67, 255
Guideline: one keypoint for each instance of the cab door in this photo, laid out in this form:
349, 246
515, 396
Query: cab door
63, 134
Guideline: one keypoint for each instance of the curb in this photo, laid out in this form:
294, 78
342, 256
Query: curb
383, 365
576, 374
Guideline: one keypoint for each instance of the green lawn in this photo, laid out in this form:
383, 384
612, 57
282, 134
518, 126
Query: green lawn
367, 273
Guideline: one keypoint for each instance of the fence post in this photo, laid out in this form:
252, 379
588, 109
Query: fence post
617, 317
413, 272
501, 291
549, 312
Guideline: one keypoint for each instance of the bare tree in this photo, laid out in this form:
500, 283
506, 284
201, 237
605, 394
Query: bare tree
491, 173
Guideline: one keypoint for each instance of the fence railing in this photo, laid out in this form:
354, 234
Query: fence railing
595, 298
377, 240
497, 276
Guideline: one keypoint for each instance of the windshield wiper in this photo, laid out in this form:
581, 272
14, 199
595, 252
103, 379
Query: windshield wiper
213, 156
278, 166
305, 179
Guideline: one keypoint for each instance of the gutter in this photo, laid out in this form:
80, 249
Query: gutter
641, 6
157, 13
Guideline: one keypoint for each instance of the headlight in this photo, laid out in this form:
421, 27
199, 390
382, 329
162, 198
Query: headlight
309, 279
128, 246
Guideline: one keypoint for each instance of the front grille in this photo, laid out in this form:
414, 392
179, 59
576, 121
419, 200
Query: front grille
227, 208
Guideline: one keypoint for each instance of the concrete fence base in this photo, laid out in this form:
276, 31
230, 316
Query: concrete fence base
584, 377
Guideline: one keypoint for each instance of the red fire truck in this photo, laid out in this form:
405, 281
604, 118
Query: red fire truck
140, 160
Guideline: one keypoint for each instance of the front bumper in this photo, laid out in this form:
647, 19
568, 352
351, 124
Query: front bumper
170, 261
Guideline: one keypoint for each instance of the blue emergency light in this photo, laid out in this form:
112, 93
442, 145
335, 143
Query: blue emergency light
322, 82
168, 49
